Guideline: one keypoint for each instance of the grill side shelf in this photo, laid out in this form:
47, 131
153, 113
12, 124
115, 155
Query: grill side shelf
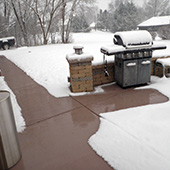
128, 51
158, 47
133, 50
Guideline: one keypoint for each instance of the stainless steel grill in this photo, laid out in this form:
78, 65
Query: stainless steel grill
133, 53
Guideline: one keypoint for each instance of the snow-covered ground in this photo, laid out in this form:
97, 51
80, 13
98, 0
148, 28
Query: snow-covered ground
48, 66
132, 139
136, 138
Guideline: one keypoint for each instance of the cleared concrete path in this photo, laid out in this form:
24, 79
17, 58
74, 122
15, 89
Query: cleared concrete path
58, 129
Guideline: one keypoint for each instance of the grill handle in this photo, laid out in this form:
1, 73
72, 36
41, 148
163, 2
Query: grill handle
146, 62
131, 64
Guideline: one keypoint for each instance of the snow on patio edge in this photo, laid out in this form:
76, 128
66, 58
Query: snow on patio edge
47, 64
136, 138
19, 120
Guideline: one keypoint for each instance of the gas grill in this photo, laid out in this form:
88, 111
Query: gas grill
133, 53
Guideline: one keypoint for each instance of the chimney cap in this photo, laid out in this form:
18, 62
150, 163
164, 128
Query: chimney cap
78, 47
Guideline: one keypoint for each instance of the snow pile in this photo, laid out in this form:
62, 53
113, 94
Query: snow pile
158, 44
111, 49
79, 57
162, 53
164, 61
20, 123
136, 138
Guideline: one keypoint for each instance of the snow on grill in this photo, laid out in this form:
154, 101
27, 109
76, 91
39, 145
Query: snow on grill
130, 39
133, 53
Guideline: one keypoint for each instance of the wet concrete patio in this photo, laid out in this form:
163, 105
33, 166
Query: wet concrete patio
58, 129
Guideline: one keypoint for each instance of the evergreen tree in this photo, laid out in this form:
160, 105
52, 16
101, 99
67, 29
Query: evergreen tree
156, 8
102, 20
80, 24
125, 17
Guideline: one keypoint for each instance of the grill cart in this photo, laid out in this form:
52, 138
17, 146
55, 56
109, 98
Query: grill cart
133, 53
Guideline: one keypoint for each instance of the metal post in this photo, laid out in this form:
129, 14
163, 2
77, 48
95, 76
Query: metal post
9, 146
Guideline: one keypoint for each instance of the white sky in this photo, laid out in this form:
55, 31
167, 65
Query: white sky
103, 4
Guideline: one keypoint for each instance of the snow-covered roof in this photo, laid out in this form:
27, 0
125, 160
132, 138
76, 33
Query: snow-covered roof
6, 38
92, 25
156, 21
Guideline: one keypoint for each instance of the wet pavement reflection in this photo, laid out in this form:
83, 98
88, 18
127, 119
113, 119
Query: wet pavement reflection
58, 129
120, 98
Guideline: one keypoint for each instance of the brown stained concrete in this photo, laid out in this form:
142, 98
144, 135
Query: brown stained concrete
120, 98
58, 129
61, 143
35, 101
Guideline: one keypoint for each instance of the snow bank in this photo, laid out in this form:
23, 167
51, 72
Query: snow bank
20, 123
162, 53
79, 57
164, 61
110, 49
136, 138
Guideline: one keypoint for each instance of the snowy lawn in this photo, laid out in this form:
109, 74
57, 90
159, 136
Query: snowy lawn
132, 139
48, 66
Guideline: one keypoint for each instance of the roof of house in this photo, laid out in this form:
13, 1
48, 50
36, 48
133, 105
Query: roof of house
93, 24
156, 21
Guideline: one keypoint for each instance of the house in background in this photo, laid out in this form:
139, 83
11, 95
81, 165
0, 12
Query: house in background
157, 26
93, 26
154, 23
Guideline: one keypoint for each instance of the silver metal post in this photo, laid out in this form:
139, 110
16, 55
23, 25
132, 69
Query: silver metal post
9, 146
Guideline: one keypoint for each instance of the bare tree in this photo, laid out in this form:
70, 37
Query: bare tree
40, 19
156, 7
6, 10
68, 10
22, 14
63, 20
5, 18
45, 11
